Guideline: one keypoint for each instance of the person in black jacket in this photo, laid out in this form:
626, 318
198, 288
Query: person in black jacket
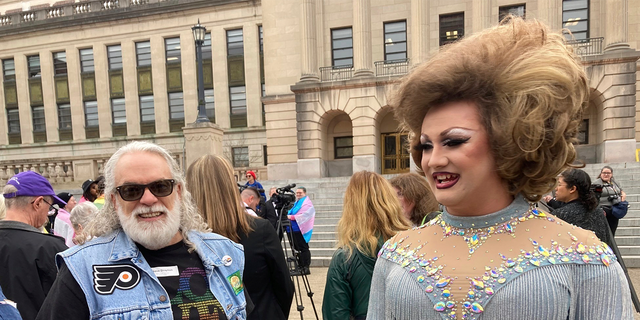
269, 211
27, 267
266, 275
580, 204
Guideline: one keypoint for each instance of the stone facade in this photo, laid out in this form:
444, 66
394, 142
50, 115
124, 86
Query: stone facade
311, 119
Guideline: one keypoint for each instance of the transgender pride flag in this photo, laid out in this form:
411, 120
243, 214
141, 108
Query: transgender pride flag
305, 216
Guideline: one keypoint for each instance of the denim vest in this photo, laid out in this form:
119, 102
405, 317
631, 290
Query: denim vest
139, 294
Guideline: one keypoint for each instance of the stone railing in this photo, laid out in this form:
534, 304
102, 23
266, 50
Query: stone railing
62, 171
241, 173
69, 8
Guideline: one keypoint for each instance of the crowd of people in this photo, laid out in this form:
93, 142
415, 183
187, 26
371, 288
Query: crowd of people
492, 120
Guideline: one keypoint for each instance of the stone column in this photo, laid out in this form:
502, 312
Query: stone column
130, 77
220, 77
49, 96
252, 75
419, 31
24, 103
189, 75
362, 61
102, 89
480, 16
616, 30
3, 118
201, 138
160, 97
309, 45
75, 94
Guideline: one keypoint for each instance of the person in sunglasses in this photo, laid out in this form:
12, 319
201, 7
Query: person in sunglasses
27, 268
153, 256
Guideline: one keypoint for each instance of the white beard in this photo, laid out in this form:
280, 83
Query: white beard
152, 235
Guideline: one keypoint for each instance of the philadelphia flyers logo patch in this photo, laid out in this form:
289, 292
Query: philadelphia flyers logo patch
107, 278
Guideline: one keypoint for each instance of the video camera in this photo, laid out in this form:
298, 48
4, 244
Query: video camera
241, 188
597, 188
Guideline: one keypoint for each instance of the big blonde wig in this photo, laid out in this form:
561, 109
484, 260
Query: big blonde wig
530, 90
371, 210
213, 187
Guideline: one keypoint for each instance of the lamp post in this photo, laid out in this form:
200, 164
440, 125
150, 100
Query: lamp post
198, 35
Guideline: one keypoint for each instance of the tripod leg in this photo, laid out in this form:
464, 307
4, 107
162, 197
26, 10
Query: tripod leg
307, 287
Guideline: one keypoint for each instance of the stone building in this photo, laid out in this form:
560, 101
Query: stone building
299, 87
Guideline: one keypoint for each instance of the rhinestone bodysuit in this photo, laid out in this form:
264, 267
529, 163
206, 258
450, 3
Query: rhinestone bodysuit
460, 267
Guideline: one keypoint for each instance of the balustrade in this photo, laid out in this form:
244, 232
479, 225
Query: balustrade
81, 8
55, 13
28, 17
110, 4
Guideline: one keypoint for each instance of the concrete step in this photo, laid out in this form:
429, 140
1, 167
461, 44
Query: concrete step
629, 222
322, 243
320, 261
631, 261
322, 252
632, 250
625, 231
331, 228
627, 240
323, 235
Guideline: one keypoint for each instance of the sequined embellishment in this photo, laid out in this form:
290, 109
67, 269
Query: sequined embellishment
430, 276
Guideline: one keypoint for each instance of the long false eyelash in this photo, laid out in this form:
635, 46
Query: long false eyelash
421, 147
456, 142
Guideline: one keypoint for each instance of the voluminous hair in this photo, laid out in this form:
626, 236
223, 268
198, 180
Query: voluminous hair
414, 189
82, 213
530, 90
215, 193
107, 221
581, 180
371, 210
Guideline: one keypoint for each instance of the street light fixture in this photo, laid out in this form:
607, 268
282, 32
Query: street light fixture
198, 35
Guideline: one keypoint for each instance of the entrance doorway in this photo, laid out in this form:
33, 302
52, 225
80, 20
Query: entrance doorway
395, 155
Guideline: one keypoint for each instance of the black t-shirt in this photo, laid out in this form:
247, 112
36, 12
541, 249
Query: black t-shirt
180, 272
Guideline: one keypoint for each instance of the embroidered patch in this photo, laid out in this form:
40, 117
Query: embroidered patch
235, 279
108, 277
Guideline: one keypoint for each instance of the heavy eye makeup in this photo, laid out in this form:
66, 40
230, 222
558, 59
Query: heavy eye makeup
447, 141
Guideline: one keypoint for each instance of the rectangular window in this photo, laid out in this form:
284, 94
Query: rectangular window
176, 106
91, 114
575, 17
60, 63
143, 53
451, 27
37, 114
240, 156
210, 105
343, 147
118, 112
172, 49
235, 46
147, 113
238, 97
342, 47
395, 40
518, 10
86, 60
206, 47
13, 120
64, 116
33, 64
114, 54
261, 39
8, 69
583, 132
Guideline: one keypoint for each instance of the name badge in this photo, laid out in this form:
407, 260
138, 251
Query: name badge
166, 271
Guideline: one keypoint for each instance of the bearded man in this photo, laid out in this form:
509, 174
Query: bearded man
152, 256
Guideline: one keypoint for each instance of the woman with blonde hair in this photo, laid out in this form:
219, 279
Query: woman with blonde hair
417, 201
266, 275
493, 118
371, 214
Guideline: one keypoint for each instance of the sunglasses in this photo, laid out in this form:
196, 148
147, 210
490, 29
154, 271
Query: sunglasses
134, 192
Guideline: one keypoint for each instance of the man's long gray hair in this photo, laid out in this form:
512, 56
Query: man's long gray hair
106, 221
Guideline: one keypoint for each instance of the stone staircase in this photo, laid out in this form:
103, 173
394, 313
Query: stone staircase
327, 196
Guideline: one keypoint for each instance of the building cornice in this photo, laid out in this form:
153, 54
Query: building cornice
365, 82
66, 14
